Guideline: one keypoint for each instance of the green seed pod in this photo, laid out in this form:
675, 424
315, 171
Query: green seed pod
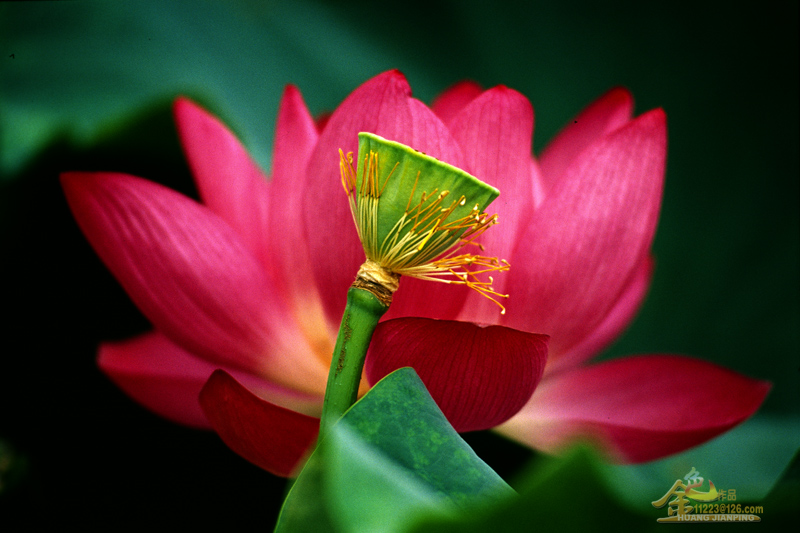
414, 215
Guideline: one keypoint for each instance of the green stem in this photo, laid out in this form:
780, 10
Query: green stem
360, 317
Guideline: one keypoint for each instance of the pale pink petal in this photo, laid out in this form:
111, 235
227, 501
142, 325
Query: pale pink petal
229, 181
167, 379
606, 114
454, 99
479, 376
269, 436
496, 131
638, 408
382, 105
586, 240
612, 326
183, 266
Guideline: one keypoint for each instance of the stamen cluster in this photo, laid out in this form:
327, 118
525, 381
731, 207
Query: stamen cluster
426, 242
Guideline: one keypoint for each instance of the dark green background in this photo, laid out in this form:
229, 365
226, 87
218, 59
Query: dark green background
87, 86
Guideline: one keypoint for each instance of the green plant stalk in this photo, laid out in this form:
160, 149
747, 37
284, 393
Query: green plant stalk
360, 318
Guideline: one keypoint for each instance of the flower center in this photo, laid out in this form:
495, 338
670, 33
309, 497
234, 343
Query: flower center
410, 228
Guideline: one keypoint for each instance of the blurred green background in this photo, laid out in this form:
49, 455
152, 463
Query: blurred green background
88, 85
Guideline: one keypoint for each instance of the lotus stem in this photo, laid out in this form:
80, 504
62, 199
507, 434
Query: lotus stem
361, 315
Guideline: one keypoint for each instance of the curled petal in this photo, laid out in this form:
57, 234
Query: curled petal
585, 242
229, 181
638, 408
479, 376
183, 266
606, 114
271, 437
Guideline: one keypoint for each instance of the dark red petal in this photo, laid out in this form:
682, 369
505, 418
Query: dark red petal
479, 376
637, 408
271, 437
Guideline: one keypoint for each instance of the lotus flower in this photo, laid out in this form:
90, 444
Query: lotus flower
254, 280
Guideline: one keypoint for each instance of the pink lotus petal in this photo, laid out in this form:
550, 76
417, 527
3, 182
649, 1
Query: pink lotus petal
638, 408
267, 215
382, 105
183, 266
441, 300
612, 326
427, 299
606, 114
269, 436
328, 221
537, 184
479, 376
160, 375
167, 379
321, 121
586, 240
229, 181
295, 138
452, 100
496, 131
430, 134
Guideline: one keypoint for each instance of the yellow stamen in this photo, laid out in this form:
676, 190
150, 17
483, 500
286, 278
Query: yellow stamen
422, 234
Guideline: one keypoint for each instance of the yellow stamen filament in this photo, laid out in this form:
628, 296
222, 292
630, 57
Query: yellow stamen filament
422, 234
